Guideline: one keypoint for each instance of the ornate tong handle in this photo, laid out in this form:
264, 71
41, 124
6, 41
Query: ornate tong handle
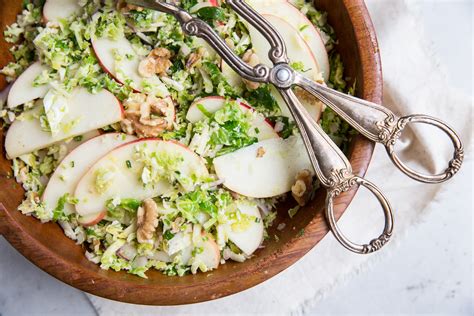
335, 173
380, 125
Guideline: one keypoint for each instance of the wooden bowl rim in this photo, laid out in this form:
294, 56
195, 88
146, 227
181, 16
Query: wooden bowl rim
79, 277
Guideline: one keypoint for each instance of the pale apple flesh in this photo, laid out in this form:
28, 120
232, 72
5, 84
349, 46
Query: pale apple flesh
231, 76
86, 112
250, 237
314, 107
303, 26
67, 175
126, 69
92, 219
248, 173
210, 255
75, 142
297, 49
124, 174
23, 89
260, 128
55, 10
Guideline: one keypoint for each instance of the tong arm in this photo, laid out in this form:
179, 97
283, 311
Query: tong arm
196, 27
381, 125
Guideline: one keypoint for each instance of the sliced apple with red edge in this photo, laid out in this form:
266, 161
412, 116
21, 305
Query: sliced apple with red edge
23, 90
210, 256
92, 219
55, 10
106, 49
85, 112
297, 49
247, 234
260, 126
249, 173
303, 26
67, 175
119, 174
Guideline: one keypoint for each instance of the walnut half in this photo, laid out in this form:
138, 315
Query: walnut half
148, 116
147, 221
301, 190
252, 60
158, 62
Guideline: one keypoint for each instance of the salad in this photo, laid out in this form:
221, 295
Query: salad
143, 145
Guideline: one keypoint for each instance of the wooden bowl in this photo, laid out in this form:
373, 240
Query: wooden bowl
47, 247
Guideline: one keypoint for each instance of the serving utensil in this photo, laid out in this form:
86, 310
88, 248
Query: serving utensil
332, 168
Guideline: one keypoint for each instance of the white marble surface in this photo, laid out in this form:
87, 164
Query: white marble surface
430, 277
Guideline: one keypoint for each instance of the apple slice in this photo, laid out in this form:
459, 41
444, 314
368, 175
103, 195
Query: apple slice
297, 49
23, 91
55, 10
231, 76
73, 143
314, 107
260, 126
247, 236
248, 173
106, 49
305, 28
86, 112
92, 219
210, 256
64, 180
120, 175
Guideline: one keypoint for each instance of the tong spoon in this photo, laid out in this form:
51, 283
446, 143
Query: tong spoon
332, 168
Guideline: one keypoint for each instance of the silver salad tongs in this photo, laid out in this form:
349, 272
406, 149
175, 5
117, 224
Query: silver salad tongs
374, 121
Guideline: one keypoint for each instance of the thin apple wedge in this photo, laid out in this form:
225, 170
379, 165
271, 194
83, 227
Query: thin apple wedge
231, 76
86, 112
23, 90
314, 107
55, 10
261, 128
127, 172
264, 169
123, 67
92, 219
210, 256
66, 176
248, 233
297, 49
310, 34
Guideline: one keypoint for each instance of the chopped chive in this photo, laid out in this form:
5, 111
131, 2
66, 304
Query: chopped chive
129, 164
303, 27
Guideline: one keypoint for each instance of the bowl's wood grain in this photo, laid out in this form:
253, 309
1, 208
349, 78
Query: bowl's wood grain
47, 247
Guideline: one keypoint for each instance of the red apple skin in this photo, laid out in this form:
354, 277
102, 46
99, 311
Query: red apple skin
107, 71
97, 220
245, 105
214, 3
